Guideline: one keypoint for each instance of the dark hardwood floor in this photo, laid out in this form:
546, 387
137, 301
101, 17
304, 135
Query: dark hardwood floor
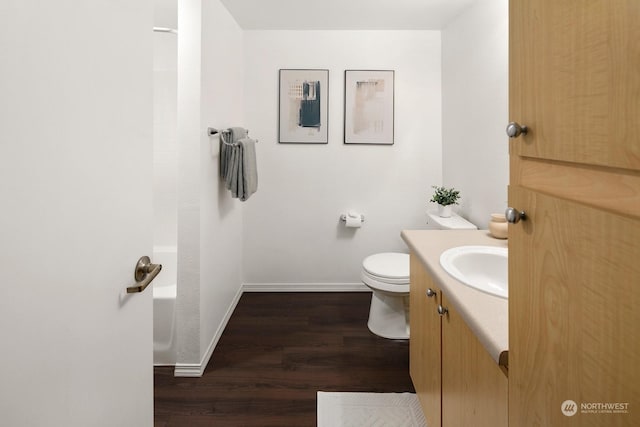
277, 351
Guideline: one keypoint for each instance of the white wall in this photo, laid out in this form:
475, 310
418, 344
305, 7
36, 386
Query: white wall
292, 232
209, 222
221, 216
475, 108
289, 231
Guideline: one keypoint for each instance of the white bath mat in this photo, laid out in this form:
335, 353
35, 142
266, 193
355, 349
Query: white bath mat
369, 410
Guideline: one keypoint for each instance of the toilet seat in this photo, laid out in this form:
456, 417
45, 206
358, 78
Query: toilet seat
387, 272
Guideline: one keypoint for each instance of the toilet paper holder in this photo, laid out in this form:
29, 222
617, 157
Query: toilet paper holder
343, 218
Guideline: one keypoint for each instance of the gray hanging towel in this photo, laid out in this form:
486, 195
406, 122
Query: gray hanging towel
231, 136
233, 168
243, 171
249, 173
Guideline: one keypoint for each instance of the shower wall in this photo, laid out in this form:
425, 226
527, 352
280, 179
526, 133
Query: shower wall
165, 142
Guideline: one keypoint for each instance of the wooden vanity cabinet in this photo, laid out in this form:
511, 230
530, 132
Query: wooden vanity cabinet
456, 380
425, 341
474, 388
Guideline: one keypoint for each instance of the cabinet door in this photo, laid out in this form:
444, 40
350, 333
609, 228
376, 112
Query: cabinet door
574, 80
574, 317
424, 344
474, 388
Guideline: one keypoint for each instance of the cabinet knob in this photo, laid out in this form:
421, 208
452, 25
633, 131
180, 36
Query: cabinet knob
514, 130
442, 311
514, 215
431, 293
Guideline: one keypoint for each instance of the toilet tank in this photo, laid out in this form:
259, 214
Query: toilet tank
454, 222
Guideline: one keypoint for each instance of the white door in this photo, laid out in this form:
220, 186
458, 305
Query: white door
75, 212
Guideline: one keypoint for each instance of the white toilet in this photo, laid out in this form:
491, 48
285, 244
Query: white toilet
387, 274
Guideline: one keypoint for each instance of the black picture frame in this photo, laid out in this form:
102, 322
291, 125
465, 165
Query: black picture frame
303, 106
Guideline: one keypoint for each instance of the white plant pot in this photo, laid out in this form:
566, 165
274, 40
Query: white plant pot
444, 211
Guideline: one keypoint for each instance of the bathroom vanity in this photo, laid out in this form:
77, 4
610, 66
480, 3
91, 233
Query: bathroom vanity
459, 336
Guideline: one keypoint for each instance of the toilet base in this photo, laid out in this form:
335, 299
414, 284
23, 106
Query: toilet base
389, 315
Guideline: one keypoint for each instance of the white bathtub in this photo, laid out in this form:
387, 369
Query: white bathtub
164, 306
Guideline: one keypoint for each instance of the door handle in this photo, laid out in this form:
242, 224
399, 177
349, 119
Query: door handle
145, 272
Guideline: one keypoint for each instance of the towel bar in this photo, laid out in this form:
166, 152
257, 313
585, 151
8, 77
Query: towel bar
214, 131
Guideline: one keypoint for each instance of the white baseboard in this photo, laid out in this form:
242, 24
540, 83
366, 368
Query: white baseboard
197, 369
188, 370
305, 287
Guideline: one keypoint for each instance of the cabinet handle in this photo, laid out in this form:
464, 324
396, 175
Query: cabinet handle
514, 130
431, 293
514, 215
442, 311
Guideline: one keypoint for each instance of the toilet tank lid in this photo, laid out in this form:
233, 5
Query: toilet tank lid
393, 265
454, 222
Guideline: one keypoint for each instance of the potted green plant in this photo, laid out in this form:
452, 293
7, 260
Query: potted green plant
445, 198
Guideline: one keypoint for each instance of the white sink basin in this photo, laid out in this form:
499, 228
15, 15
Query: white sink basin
481, 267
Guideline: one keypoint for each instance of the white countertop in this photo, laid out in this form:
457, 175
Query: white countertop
486, 315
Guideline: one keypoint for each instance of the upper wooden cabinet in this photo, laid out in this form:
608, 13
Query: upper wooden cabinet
574, 80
